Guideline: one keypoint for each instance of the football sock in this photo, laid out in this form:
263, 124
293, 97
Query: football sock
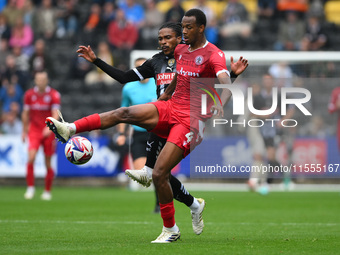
149, 171
173, 229
30, 175
89, 123
73, 128
195, 205
154, 146
180, 193
168, 214
49, 179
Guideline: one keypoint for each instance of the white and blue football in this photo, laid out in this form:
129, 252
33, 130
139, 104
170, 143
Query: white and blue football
78, 150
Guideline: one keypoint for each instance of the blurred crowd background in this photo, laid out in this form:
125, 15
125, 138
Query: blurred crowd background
45, 34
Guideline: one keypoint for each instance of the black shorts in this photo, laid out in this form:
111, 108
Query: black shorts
138, 146
269, 141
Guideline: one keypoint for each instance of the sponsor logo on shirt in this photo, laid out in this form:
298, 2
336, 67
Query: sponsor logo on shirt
164, 78
188, 73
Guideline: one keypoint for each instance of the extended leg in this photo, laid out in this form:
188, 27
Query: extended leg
145, 116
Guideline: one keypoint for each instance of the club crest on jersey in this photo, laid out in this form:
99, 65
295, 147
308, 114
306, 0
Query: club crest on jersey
171, 62
199, 60
47, 99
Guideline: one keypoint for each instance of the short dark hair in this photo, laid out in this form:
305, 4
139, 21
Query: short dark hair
201, 19
140, 59
175, 26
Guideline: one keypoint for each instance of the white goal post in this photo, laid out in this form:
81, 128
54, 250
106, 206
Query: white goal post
261, 57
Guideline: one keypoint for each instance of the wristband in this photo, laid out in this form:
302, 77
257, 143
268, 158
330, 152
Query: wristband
233, 75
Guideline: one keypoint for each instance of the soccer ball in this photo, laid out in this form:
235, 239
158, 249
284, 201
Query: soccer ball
78, 150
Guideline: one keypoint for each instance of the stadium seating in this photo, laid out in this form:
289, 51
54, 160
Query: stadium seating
332, 11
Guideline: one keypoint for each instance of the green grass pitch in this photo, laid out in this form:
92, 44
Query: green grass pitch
118, 221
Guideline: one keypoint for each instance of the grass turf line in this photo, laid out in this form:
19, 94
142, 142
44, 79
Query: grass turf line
118, 221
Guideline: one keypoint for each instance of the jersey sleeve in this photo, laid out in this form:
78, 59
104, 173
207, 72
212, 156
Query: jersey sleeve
333, 100
55, 100
218, 62
145, 70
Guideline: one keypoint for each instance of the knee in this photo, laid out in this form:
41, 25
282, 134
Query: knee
159, 177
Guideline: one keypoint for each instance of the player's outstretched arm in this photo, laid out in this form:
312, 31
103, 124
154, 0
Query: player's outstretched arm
238, 67
223, 78
86, 53
119, 75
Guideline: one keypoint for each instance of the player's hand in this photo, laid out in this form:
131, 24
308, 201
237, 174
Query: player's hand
217, 110
121, 139
239, 66
164, 97
87, 53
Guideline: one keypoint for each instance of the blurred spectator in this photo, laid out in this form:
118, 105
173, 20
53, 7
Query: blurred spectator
291, 32
282, 73
4, 52
204, 7
298, 6
153, 20
92, 28
40, 59
315, 128
79, 68
108, 14
317, 7
134, 12
21, 61
20, 4
122, 35
235, 20
323, 69
44, 20
266, 9
21, 36
10, 92
211, 30
12, 12
175, 13
2, 4
102, 2
67, 22
93, 19
11, 123
5, 30
11, 69
334, 107
28, 10
315, 37
97, 75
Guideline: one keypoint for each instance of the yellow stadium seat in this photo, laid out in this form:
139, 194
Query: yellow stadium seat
332, 11
217, 6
